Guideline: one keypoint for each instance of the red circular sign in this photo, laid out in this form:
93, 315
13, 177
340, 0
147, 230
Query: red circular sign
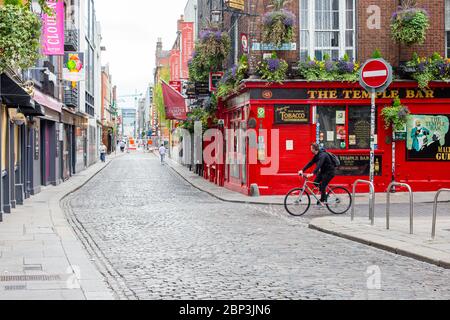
375, 73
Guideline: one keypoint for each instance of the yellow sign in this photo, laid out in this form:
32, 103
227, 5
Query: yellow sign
236, 4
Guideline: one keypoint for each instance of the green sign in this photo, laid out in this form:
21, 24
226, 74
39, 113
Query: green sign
261, 113
400, 136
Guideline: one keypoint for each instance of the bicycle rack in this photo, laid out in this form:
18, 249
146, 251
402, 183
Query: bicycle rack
433, 233
372, 197
411, 205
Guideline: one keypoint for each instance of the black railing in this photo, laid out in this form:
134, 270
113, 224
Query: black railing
71, 40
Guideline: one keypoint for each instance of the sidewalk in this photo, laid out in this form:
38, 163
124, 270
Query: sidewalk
231, 196
40, 255
419, 246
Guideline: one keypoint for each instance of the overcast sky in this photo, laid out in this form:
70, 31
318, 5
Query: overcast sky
130, 30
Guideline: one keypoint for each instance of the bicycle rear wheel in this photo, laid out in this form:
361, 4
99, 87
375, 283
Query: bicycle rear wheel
339, 200
297, 202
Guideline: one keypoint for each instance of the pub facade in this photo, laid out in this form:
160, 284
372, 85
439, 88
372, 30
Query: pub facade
295, 114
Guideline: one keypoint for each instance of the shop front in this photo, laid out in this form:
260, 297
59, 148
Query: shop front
288, 117
81, 125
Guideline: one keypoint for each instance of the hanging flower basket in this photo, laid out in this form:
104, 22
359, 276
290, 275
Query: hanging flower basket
278, 25
409, 25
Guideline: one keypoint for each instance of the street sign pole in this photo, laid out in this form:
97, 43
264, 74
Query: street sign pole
372, 136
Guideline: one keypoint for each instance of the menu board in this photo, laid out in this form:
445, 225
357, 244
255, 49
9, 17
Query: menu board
292, 114
358, 165
360, 132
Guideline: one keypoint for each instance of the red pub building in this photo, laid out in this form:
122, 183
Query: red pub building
338, 116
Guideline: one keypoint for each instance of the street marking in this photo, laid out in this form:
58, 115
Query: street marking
377, 73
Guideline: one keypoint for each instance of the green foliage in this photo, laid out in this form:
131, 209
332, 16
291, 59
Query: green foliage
395, 116
273, 69
409, 26
158, 95
328, 70
429, 69
211, 51
377, 54
232, 78
207, 116
20, 31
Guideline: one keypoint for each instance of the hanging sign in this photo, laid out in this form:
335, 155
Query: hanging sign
53, 29
74, 69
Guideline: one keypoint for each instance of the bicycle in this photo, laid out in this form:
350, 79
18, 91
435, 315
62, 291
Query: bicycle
298, 200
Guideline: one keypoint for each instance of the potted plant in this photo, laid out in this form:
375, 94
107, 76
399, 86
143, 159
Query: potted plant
273, 69
424, 70
410, 24
278, 24
396, 115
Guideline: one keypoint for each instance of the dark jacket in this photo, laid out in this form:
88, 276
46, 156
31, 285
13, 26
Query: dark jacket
323, 162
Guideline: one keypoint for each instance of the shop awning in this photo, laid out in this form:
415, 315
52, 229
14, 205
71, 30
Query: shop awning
13, 95
47, 101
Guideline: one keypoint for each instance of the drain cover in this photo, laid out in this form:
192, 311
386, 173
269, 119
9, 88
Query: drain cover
15, 288
30, 278
32, 268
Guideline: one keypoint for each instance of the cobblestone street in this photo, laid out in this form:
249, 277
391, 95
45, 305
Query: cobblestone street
160, 238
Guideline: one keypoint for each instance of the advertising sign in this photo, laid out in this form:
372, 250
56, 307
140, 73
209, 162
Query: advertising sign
53, 29
187, 39
292, 114
358, 165
175, 65
74, 69
428, 138
236, 4
244, 42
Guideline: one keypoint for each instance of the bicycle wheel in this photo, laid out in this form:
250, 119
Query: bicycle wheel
297, 202
339, 200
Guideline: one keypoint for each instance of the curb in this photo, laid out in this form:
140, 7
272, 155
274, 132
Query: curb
215, 195
400, 252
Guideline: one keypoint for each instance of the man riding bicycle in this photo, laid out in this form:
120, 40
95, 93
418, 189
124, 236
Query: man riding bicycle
325, 171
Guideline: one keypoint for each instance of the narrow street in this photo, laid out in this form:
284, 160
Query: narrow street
165, 239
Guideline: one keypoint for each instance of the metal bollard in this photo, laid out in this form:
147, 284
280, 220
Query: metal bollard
371, 203
436, 199
411, 205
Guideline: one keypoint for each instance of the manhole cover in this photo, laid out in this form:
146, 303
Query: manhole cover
30, 278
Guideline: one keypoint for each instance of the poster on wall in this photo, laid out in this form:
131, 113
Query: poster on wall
428, 138
292, 114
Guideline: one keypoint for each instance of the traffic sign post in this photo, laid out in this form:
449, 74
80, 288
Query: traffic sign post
376, 76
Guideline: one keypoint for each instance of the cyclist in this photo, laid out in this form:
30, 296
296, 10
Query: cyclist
325, 171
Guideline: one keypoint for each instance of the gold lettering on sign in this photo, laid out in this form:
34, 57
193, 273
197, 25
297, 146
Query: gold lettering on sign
410, 94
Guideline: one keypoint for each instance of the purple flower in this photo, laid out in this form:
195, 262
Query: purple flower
273, 64
421, 67
312, 63
234, 70
329, 66
345, 67
218, 35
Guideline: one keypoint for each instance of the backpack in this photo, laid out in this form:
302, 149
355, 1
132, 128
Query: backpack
334, 159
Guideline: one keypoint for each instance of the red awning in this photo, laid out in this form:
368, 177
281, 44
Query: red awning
47, 101
174, 102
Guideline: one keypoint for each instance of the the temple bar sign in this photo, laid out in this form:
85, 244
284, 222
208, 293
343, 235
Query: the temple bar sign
363, 94
236, 4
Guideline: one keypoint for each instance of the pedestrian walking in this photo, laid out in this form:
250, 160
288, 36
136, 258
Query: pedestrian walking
103, 151
162, 153
122, 146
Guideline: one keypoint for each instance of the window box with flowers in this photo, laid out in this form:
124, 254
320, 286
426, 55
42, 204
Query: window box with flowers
343, 70
273, 69
424, 70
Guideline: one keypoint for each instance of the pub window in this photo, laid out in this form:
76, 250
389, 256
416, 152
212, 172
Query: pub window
344, 128
327, 27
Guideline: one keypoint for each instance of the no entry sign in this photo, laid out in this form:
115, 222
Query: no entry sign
376, 74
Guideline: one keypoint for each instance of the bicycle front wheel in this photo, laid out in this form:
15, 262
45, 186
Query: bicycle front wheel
297, 202
339, 200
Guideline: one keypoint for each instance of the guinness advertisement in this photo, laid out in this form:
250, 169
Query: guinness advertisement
292, 114
355, 94
358, 165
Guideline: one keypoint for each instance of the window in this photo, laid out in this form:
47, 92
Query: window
327, 27
344, 128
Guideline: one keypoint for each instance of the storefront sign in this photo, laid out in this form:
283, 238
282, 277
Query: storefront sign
354, 94
400, 136
187, 39
74, 69
53, 29
236, 4
292, 114
258, 46
428, 138
37, 141
261, 113
358, 165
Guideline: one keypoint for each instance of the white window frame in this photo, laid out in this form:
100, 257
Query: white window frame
342, 29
